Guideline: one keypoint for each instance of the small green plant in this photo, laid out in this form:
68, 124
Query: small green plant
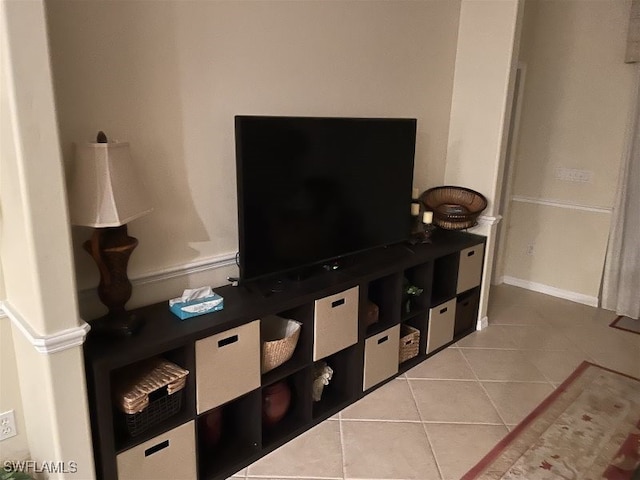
413, 290
9, 473
410, 292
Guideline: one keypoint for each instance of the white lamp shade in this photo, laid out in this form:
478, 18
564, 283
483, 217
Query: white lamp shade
104, 190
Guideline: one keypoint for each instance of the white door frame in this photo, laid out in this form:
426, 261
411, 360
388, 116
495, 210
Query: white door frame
508, 175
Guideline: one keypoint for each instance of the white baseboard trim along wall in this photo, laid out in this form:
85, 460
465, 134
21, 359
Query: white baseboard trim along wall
163, 274
203, 265
561, 204
553, 291
72, 337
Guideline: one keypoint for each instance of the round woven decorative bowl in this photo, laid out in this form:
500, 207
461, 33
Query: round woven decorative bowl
454, 208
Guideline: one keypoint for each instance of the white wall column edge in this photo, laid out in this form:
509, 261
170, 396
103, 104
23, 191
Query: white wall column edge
482, 323
55, 342
553, 291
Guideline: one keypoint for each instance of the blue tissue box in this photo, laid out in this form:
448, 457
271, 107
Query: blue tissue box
193, 308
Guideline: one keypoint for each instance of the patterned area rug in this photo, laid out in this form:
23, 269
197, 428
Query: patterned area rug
587, 429
627, 324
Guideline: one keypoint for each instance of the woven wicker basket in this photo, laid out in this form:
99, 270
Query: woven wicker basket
454, 208
409, 342
279, 339
149, 392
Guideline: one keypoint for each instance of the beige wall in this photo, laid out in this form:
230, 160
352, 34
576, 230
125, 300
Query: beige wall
15, 448
169, 76
574, 111
579, 232
10, 397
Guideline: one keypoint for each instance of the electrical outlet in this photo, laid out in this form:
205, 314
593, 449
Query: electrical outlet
7, 425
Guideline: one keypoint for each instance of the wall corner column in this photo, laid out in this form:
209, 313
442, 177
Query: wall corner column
37, 260
483, 89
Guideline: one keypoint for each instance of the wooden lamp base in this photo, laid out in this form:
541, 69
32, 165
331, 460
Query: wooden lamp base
111, 248
117, 326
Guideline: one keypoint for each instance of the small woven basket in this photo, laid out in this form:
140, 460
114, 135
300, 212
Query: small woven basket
148, 393
409, 342
279, 340
454, 208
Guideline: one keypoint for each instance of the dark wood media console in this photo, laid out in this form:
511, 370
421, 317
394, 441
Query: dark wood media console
221, 351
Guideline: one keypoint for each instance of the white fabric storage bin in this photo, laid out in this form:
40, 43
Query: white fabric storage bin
335, 325
442, 320
227, 365
381, 357
470, 268
169, 456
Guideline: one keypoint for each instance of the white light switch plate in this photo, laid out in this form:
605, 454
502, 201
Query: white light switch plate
574, 175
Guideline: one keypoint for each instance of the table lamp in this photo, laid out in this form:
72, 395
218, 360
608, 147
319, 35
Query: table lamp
105, 193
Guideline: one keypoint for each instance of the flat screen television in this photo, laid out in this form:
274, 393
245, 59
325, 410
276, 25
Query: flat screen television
315, 189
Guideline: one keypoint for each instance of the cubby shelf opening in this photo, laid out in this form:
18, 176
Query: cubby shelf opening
341, 388
228, 434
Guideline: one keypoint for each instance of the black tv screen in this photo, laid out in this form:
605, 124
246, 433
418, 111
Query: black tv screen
311, 189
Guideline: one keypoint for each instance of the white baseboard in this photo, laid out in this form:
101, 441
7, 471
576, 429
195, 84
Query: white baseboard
482, 323
553, 291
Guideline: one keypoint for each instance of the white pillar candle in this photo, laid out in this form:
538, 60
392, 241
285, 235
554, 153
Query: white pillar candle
415, 209
414, 194
427, 217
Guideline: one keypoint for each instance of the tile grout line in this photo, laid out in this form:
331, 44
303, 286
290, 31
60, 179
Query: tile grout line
575, 346
521, 352
380, 420
342, 449
424, 427
485, 391
520, 349
374, 420
289, 477
421, 379
471, 380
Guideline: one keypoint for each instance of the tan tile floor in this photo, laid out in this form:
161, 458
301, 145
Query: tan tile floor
436, 421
